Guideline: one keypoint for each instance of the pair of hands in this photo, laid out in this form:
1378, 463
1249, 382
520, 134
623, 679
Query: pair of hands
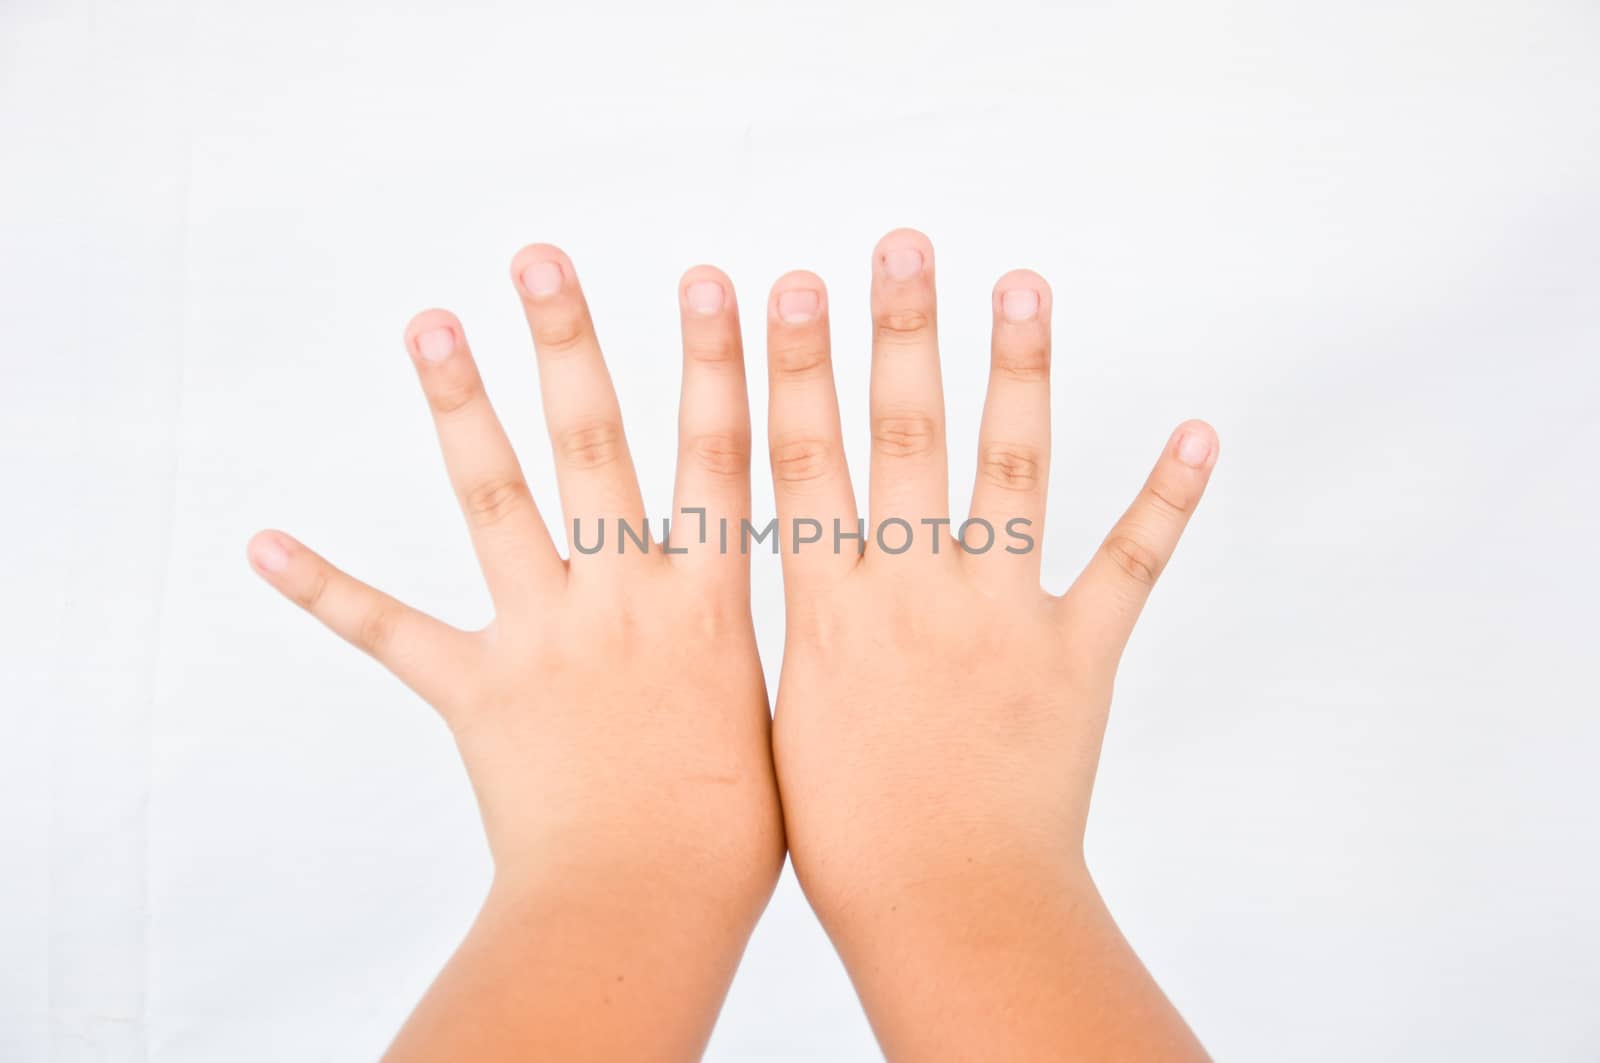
939, 716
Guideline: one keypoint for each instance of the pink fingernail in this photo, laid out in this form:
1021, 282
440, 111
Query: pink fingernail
267, 554
1019, 304
1194, 449
704, 297
798, 306
435, 344
902, 263
542, 278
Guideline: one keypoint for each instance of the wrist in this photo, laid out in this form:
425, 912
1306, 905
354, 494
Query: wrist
954, 906
587, 935
642, 883
996, 963
637, 923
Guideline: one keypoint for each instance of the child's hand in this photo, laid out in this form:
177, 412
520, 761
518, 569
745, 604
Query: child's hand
939, 715
612, 717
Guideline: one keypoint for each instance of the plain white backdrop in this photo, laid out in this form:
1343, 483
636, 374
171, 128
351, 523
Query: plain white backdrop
1348, 802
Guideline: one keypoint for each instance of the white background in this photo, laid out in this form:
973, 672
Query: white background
1347, 807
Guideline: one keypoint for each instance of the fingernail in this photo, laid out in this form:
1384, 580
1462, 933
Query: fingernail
704, 297
798, 306
1194, 449
542, 278
435, 344
902, 263
268, 555
1019, 304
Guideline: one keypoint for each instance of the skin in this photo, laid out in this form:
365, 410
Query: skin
612, 717
939, 716
938, 720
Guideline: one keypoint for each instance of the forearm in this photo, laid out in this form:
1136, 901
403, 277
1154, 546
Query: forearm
1001, 966
581, 971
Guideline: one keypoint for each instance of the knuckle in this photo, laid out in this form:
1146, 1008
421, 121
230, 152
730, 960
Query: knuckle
723, 455
309, 597
1011, 466
1029, 365
1163, 498
800, 460
560, 333
376, 630
721, 614
900, 323
716, 351
1136, 559
797, 359
904, 435
592, 446
449, 398
490, 502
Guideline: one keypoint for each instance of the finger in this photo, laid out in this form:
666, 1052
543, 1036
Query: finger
593, 467
909, 477
1006, 524
713, 428
424, 653
810, 481
512, 543
1113, 588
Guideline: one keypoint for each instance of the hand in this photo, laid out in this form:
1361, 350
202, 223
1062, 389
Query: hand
612, 716
939, 716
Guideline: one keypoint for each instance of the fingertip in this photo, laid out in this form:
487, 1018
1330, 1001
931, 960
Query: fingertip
433, 317
903, 237
703, 271
433, 334
705, 290
1022, 278
798, 298
797, 278
903, 255
268, 552
1195, 443
541, 270
538, 252
1020, 296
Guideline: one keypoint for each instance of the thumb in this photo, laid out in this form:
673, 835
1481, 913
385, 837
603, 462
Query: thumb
1113, 587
